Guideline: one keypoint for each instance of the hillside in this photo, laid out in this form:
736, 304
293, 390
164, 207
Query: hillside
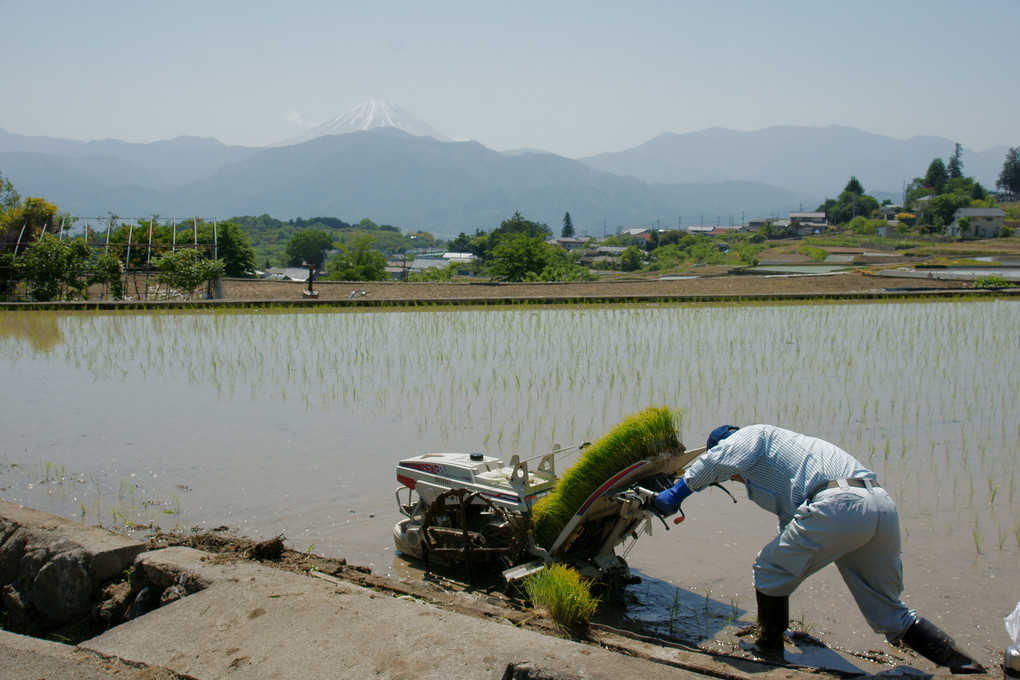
805, 159
713, 177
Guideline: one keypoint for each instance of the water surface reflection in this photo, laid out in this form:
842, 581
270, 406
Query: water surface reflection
292, 422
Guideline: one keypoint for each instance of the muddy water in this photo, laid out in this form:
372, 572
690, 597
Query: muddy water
275, 422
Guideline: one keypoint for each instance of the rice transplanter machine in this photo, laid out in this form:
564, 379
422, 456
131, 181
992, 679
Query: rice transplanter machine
472, 508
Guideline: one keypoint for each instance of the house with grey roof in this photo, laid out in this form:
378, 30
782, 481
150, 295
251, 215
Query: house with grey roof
984, 222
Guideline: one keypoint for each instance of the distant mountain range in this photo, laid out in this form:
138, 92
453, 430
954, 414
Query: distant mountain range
814, 160
379, 162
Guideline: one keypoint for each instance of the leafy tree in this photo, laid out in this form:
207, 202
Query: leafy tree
358, 262
185, 269
937, 175
1009, 177
684, 239
854, 186
9, 201
668, 256
653, 240
631, 259
8, 275
518, 225
54, 269
706, 253
435, 274
773, 231
308, 246
107, 271
138, 244
424, 238
325, 222
483, 245
563, 270
944, 206
851, 203
748, 252
863, 225
9, 198
460, 244
518, 257
568, 227
688, 248
955, 169
232, 246
964, 226
916, 190
25, 219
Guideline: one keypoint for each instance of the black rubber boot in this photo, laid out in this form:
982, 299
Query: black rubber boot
932, 643
773, 619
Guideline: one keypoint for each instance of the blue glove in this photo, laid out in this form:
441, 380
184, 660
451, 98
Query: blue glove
668, 501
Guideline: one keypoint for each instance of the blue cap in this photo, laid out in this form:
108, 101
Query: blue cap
720, 433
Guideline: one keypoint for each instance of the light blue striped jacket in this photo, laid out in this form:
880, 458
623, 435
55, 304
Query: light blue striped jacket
780, 468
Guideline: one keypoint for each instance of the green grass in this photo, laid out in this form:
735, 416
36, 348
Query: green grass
643, 435
563, 593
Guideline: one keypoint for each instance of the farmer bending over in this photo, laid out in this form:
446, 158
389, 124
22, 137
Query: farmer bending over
830, 509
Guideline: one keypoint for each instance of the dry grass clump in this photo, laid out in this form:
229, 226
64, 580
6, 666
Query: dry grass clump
643, 435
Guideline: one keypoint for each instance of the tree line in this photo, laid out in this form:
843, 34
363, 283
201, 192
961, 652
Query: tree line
36, 262
929, 202
39, 262
270, 236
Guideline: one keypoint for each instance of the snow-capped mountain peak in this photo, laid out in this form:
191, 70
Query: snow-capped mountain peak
374, 113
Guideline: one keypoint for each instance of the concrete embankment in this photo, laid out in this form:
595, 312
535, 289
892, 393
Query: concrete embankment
186, 613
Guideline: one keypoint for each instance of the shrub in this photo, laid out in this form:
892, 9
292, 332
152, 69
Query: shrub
434, 274
992, 281
53, 268
816, 254
107, 271
185, 270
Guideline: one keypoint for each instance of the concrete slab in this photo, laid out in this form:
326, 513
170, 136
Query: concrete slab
27, 658
111, 553
255, 622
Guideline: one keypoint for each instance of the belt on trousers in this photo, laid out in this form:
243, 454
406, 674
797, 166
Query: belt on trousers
836, 483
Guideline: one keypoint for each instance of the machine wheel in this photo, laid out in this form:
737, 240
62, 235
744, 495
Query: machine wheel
465, 526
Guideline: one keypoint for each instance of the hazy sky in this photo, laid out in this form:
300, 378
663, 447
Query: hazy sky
575, 78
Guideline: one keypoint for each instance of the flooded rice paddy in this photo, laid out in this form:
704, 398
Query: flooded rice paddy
292, 422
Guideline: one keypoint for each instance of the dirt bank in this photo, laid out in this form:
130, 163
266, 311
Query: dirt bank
729, 285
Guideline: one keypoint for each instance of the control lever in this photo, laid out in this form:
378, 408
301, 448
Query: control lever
646, 501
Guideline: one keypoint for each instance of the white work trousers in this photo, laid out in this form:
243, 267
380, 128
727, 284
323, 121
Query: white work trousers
859, 530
